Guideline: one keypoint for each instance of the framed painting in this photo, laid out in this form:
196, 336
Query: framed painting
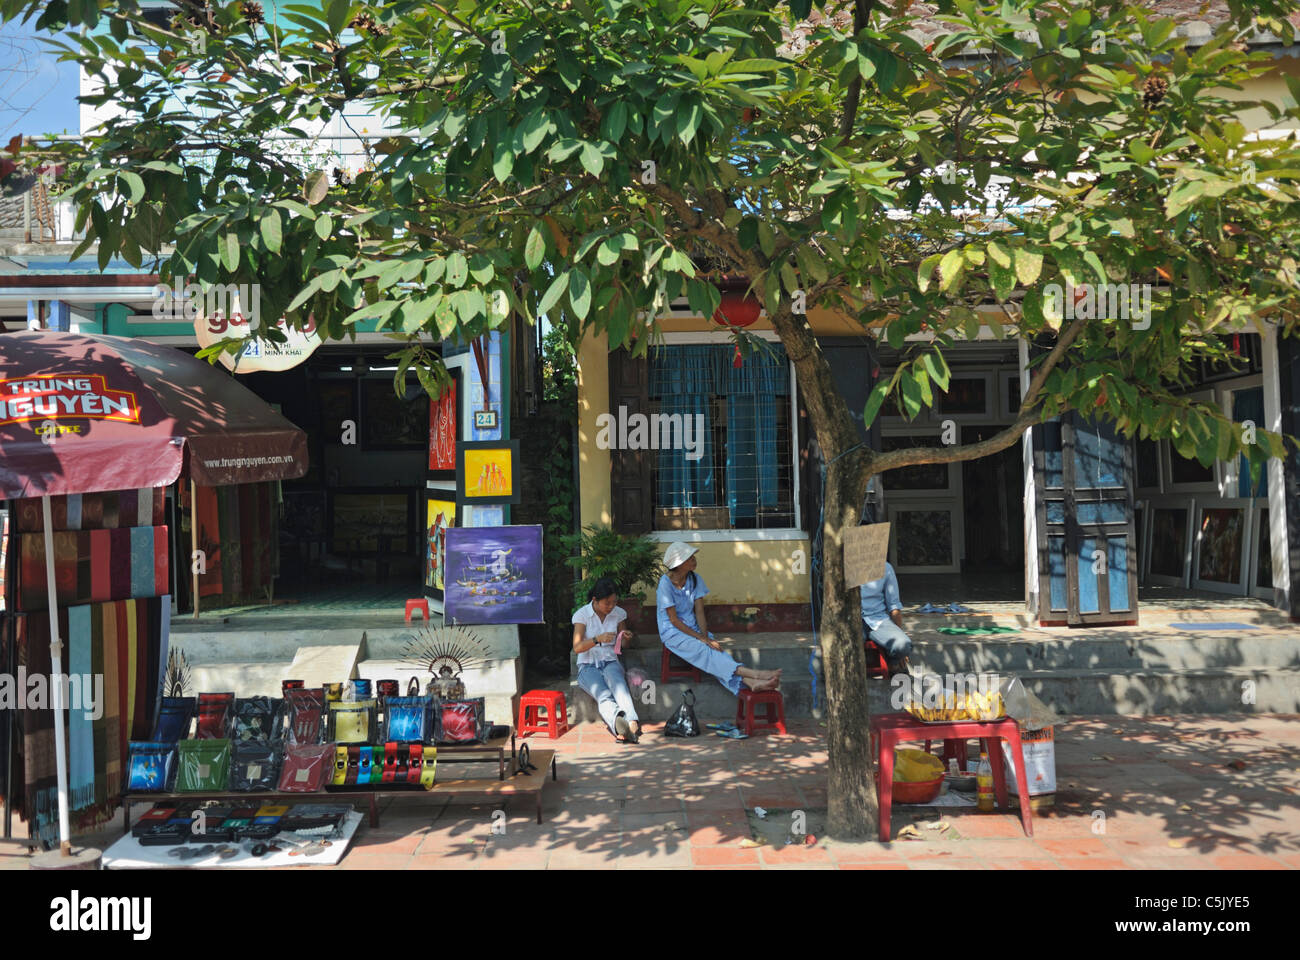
487, 472
1220, 553
439, 516
444, 430
925, 538
392, 422
493, 575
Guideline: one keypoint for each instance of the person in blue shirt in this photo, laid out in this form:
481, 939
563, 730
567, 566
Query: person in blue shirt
684, 630
882, 612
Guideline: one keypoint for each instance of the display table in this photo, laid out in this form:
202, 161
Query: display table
479, 752
251, 797
890, 729
522, 784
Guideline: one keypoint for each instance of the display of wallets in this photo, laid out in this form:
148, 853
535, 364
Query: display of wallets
160, 814
340, 775
163, 835
259, 719
235, 826
151, 766
306, 710
310, 816
175, 717
260, 830
272, 810
416, 762
216, 716
363, 768
306, 767
211, 826
352, 722
256, 766
203, 766
377, 764
408, 718
390, 762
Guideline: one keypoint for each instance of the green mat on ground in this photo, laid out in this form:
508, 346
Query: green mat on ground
977, 631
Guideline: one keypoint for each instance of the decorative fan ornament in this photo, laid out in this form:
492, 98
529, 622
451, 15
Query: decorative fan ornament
176, 680
446, 653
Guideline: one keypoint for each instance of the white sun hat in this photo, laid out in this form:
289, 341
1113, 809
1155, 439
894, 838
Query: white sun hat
678, 553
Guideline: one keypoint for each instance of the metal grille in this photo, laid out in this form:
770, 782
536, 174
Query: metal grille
744, 477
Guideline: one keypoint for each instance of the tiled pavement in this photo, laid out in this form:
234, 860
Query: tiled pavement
1169, 798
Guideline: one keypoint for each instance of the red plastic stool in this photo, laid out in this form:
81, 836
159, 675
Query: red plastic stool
954, 749
413, 605
668, 672
877, 665
774, 711
556, 721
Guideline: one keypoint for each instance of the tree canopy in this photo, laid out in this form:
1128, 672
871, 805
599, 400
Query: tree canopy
925, 169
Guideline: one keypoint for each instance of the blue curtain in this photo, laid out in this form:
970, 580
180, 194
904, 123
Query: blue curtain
754, 390
684, 379
1249, 405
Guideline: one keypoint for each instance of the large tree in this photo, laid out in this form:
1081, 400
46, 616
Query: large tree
908, 165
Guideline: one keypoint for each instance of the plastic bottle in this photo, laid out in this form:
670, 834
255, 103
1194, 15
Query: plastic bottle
984, 784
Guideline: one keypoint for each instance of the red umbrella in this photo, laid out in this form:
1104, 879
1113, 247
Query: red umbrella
82, 414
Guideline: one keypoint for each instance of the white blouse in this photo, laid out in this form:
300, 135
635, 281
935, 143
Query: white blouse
604, 652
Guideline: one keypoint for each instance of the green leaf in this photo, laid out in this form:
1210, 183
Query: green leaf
875, 400
614, 122
533, 130
811, 264
553, 293
937, 368
579, 292
134, 184
998, 254
1139, 151
457, 269
534, 248
950, 268
591, 159
316, 187
269, 225
229, 250
1028, 265
323, 226
688, 122
336, 15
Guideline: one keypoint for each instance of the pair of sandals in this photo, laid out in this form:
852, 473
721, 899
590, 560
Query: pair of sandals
950, 608
728, 730
624, 729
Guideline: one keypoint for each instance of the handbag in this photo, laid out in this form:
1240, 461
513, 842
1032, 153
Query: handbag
459, 721
306, 708
408, 718
203, 766
256, 767
151, 766
174, 719
683, 723
352, 722
259, 719
216, 716
305, 767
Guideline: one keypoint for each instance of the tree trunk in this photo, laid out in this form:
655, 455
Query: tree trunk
850, 787
851, 794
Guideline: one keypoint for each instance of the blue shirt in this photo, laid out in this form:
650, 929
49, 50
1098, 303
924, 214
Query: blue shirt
879, 597
683, 601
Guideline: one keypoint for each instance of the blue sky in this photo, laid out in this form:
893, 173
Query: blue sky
38, 94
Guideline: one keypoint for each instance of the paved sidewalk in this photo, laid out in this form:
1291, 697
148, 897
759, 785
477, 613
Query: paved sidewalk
1169, 796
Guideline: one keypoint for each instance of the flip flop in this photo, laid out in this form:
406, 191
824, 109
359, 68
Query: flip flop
624, 729
722, 726
931, 608
958, 608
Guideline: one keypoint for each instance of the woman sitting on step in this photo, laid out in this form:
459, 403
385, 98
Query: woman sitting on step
595, 629
685, 632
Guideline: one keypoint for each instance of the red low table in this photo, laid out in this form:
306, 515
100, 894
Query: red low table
890, 729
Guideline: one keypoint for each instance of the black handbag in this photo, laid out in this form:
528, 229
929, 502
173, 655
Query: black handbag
683, 722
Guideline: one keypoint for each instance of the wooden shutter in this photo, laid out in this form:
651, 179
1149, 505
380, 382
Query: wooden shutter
630, 470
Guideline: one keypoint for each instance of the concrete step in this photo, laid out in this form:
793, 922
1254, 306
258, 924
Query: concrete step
1171, 650
713, 702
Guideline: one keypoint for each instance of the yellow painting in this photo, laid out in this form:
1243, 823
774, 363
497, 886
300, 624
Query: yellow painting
489, 473
441, 515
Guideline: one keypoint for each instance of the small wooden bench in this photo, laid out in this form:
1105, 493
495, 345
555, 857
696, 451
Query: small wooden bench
514, 785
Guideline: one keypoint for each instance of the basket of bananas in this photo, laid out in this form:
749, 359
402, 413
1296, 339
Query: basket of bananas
952, 705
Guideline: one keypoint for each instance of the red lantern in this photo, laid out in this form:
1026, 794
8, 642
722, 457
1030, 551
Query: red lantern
737, 310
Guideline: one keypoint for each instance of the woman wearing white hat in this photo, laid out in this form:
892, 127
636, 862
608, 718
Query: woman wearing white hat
684, 630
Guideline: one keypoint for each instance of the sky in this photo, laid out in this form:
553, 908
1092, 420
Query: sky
38, 95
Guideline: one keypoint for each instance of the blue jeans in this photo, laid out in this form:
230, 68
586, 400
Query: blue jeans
890, 638
608, 687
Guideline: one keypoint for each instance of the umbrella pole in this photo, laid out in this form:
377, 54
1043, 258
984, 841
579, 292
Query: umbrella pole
194, 542
56, 670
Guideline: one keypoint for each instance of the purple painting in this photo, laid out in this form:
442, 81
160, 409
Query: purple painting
493, 575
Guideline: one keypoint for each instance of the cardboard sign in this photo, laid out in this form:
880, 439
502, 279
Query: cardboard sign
865, 550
